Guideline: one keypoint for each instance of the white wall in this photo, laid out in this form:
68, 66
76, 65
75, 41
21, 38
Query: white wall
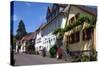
58, 22
38, 36
63, 22
48, 41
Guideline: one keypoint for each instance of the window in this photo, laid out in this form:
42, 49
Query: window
51, 40
49, 17
56, 12
22, 41
54, 6
73, 38
72, 20
26, 43
47, 41
77, 15
44, 42
42, 35
69, 22
87, 34
53, 14
54, 38
77, 36
67, 39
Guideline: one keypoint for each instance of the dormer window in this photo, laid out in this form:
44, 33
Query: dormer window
42, 35
77, 15
71, 21
87, 34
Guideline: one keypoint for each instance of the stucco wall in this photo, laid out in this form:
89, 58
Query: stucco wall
58, 22
74, 10
82, 45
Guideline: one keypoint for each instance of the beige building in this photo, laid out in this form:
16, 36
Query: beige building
80, 38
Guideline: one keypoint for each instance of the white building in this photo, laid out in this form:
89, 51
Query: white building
56, 18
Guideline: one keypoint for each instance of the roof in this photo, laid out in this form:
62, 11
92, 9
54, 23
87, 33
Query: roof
62, 5
29, 36
89, 9
50, 9
18, 42
41, 26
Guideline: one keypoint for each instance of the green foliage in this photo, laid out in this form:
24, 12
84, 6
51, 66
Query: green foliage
52, 52
82, 58
56, 31
83, 19
21, 31
14, 40
79, 21
59, 32
94, 56
85, 58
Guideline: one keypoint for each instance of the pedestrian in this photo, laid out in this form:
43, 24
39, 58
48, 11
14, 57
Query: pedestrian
44, 52
59, 53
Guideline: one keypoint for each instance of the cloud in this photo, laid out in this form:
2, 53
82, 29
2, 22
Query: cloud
28, 4
15, 17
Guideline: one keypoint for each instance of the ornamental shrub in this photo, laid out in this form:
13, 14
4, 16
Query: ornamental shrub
85, 58
52, 52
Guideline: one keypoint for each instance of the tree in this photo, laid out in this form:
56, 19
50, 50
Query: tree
59, 32
14, 40
21, 31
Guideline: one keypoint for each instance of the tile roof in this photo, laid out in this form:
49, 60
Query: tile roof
29, 36
88, 9
18, 42
41, 26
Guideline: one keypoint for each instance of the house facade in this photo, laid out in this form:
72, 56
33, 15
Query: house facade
24, 44
56, 18
18, 46
80, 38
38, 41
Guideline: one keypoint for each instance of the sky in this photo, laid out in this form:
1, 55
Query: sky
32, 14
